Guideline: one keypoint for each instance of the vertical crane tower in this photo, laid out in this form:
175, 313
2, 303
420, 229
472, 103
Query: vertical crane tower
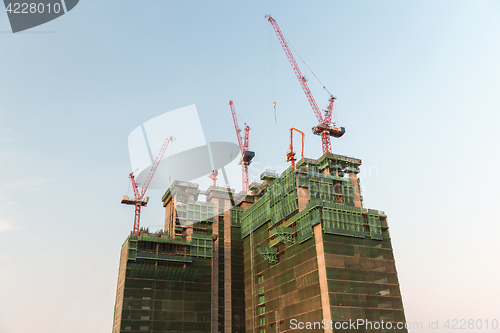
246, 155
325, 128
139, 199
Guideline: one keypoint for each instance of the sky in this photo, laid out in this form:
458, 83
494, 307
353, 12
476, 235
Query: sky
417, 91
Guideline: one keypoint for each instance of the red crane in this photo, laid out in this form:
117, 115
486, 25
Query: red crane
246, 155
139, 199
325, 128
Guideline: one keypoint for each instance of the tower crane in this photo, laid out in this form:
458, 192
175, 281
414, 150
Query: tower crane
246, 155
139, 199
325, 128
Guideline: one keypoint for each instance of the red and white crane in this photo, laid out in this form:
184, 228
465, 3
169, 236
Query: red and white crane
246, 155
325, 128
139, 199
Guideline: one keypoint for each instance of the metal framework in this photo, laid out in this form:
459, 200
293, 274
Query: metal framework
324, 129
290, 155
246, 155
139, 195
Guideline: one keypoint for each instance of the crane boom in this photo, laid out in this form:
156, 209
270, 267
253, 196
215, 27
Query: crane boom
296, 69
323, 129
155, 166
236, 127
139, 196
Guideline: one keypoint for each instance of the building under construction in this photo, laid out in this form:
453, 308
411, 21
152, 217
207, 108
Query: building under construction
296, 251
299, 248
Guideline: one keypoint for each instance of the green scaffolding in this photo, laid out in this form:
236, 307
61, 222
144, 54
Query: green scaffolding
340, 219
199, 211
374, 224
236, 216
255, 216
284, 234
201, 245
305, 220
283, 197
327, 187
148, 271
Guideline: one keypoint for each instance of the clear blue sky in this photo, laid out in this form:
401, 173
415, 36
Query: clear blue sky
417, 86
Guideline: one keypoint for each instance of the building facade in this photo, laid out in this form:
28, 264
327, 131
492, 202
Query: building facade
313, 254
300, 251
189, 276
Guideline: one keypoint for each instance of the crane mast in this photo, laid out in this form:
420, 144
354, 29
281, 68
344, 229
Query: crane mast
324, 129
139, 199
246, 155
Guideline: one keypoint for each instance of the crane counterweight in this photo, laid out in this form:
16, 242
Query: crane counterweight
139, 199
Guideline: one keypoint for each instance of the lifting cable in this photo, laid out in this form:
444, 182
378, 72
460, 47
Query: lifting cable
273, 86
149, 160
297, 53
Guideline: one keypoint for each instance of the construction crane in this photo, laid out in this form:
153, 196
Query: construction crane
246, 155
325, 128
213, 176
290, 155
139, 199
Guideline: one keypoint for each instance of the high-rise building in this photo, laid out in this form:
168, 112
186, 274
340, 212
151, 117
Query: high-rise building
299, 251
189, 276
313, 254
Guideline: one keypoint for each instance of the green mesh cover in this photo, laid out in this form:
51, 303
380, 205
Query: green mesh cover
199, 211
236, 216
147, 271
201, 245
374, 224
255, 216
340, 219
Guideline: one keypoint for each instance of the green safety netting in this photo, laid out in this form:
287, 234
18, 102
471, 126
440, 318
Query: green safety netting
201, 245
199, 211
374, 224
340, 219
236, 216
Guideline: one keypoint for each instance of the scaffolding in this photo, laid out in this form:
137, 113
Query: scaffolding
332, 256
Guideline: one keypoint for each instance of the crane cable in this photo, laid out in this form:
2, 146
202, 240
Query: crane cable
273, 87
156, 153
128, 189
297, 53
241, 118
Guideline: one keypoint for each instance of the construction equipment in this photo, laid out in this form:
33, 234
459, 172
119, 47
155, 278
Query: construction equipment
325, 128
290, 155
246, 155
213, 176
139, 200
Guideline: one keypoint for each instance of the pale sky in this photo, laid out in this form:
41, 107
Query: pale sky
417, 90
